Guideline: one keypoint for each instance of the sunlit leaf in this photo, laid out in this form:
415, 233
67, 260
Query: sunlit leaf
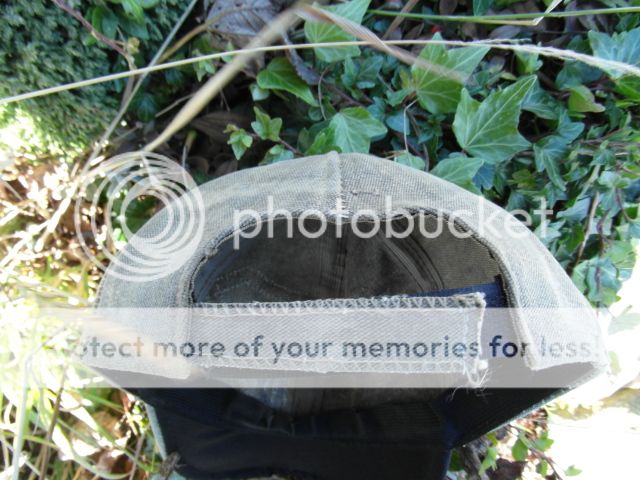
438, 89
489, 129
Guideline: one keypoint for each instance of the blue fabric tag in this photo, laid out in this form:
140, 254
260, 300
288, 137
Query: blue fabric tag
493, 293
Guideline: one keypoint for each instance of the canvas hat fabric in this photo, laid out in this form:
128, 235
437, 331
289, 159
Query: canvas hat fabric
349, 433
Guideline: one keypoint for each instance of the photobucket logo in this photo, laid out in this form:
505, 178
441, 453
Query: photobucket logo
110, 190
482, 219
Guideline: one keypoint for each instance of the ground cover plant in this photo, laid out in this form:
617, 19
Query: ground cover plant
520, 121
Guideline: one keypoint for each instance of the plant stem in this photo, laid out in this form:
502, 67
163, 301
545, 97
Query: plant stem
86, 24
506, 17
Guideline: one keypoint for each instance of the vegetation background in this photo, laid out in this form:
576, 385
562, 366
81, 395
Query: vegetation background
543, 105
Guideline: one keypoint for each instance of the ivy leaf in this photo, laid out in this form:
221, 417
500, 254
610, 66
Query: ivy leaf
458, 169
239, 140
134, 28
484, 177
543, 443
581, 100
399, 122
576, 73
323, 143
622, 47
598, 278
520, 450
480, 7
258, 93
567, 129
280, 75
539, 102
104, 20
354, 128
629, 86
489, 461
527, 63
266, 127
203, 68
350, 74
396, 98
410, 160
146, 106
320, 32
489, 130
277, 153
438, 89
363, 74
549, 152
542, 468
572, 471
576, 212
133, 9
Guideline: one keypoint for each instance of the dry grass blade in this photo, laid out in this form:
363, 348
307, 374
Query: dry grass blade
508, 18
398, 20
502, 44
45, 453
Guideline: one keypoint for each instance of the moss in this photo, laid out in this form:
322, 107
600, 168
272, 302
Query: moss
41, 46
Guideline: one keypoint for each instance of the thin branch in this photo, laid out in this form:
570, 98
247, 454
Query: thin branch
87, 25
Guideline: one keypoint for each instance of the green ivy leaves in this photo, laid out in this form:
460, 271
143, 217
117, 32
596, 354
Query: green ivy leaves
266, 128
280, 75
319, 32
458, 169
352, 129
239, 140
489, 130
622, 47
581, 100
438, 88
549, 153
410, 161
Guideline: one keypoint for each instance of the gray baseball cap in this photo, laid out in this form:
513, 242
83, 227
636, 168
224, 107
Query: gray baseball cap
485, 255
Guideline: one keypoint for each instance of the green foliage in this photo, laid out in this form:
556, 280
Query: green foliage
317, 32
239, 140
520, 449
266, 127
581, 100
409, 160
280, 75
458, 169
622, 47
516, 128
352, 129
513, 127
480, 7
438, 88
42, 46
489, 130
489, 461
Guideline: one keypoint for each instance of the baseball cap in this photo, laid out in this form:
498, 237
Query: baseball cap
261, 242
